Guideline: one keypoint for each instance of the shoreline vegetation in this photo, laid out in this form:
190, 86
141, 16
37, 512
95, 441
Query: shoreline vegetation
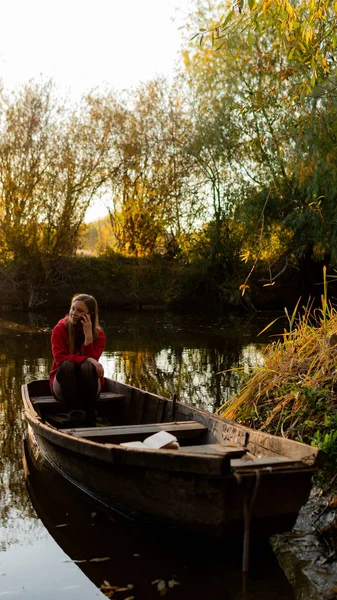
294, 392
119, 281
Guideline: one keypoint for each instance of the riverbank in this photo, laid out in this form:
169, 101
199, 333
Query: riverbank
120, 282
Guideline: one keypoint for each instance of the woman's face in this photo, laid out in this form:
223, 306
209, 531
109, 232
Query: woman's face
77, 310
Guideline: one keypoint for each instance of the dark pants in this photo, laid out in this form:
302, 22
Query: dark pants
79, 387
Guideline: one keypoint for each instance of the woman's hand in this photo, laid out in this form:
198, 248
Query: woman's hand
99, 368
87, 328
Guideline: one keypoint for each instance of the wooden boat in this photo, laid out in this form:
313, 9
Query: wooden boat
123, 552
221, 475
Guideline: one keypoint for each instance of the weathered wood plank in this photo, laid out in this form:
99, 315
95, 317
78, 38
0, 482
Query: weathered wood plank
232, 451
52, 402
116, 434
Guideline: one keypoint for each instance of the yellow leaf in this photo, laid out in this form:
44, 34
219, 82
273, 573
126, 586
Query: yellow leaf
243, 288
245, 256
268, 284
289, 9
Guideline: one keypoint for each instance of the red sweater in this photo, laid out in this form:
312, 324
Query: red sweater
60, 349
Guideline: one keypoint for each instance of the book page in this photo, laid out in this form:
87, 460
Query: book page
161, 439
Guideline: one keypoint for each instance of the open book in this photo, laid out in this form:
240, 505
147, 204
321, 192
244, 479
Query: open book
161, 439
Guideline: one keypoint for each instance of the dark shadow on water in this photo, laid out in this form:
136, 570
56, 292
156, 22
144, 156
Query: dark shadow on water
131, 555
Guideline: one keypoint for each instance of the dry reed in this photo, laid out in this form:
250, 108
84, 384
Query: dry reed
294, 391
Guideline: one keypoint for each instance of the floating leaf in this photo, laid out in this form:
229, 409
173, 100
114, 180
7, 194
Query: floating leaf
62, 525
172, 583
77, 561
99, 559
161, 585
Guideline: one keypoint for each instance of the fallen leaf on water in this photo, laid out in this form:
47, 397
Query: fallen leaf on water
108, 593
115, 588
62, 525
130, 586
130, 598
161, 585
172, 583
136, 555
93, 514
77, 561
99, 559
80, 560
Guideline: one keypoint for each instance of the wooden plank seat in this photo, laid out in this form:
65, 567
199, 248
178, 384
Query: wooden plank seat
129, 433
50, 403
233, 451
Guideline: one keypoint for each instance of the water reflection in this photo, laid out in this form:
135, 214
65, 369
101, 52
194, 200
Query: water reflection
167, 354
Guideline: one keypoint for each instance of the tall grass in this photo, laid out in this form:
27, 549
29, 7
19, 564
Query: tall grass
293, 393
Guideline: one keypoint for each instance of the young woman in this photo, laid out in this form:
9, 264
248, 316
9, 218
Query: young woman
77, 343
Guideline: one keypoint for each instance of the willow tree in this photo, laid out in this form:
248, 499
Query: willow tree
304, 31
243, 96
241, 128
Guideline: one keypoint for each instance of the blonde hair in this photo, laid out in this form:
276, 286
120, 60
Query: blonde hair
92, 307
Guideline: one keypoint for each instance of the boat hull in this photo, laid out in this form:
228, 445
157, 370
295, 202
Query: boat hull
194, 493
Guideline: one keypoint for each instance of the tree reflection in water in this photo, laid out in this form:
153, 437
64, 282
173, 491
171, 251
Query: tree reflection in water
163, 353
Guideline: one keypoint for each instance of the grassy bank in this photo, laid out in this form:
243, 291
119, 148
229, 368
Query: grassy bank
293, 394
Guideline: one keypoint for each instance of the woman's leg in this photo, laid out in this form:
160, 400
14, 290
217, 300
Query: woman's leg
90, 387
64, 386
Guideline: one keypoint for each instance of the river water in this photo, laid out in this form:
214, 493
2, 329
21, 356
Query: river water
53, 542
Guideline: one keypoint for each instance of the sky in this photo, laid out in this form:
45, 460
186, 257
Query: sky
83, 45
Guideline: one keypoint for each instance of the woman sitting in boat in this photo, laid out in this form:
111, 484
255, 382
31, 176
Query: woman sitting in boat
78, 341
